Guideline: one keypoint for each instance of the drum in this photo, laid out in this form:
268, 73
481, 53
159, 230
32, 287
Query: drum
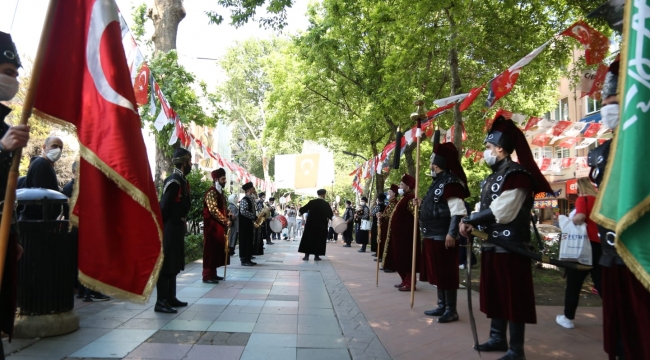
338, 224
278, 223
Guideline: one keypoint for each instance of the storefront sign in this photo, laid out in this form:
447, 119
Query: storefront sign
545, 204
572, 186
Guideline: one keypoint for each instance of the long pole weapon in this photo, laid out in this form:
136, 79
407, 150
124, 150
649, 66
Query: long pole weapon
378, 253
28, 105
227, 252
417, 116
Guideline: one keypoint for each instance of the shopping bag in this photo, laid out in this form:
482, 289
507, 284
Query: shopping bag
574, 242
366, 225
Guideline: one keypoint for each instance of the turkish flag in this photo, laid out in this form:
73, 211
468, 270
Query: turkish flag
501, 85
469, 153
592, 130
567, 162
169, 112
471, 97
120, 241
141, 85
596, 44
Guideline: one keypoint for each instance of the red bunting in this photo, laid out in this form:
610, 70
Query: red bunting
567, 162
596, 44
569, 143
592, 130
544, 164
478, 156
541, 139
532, 121
597, 84
559, 128
469, 153
602, 141
141, 85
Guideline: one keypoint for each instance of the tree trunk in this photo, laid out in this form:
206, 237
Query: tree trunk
409, 157
379, 184
455, 87
166, 15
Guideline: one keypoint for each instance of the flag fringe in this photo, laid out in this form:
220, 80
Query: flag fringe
633, 264
136, 194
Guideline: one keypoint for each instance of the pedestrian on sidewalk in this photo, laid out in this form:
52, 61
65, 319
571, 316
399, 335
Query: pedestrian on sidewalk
363, 213
215, 222
348, 216
291, 223
174, 206
399, 243
313, 240
575, 278
440, 215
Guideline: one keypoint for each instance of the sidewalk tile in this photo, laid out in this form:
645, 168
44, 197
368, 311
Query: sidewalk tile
53, 348
106, 349
277, 319
188, 325
321, 341
213, 301
265, 341
315, 311
239, 317
175, 337
154, 324
280, 310
323, 354
243, 302
271, 328
232, 326
224, 338
271, 353
159, 351
275, 303
127, 335
203, 352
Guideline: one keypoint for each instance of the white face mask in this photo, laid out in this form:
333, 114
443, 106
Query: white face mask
54, 155
362, 203
400, 191
388, 196
610, 115
8, 87
489, 158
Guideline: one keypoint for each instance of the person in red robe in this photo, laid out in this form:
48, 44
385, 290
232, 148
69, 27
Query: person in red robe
383, 220
399, 241
215, 224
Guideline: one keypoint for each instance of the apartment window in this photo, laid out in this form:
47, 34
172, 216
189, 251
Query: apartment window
593, 105
561, 153
546, 153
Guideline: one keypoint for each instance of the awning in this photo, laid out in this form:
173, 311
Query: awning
595, 117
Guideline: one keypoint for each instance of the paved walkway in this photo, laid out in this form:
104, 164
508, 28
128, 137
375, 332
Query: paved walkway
286, 308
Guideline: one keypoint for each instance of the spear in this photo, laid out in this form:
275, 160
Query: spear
378, 253
417, 116
227, 251
28, 105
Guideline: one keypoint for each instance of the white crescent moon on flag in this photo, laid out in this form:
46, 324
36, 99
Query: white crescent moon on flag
304, 162
581, 32
103, 13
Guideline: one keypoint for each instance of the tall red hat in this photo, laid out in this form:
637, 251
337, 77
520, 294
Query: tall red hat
506, 134
218, 173
446, 156
409, 181
394, 188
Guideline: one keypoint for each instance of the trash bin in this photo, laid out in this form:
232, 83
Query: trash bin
46, 271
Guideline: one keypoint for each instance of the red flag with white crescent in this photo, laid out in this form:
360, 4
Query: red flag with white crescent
596, 44
120, 242
471, 97
141, 85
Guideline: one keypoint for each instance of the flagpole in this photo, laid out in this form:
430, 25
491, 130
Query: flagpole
378, 253
28, 105
417, 116
227, 252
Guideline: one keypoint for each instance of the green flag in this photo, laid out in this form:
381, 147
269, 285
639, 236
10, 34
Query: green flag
624, 198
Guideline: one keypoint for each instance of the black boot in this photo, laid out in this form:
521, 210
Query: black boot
516, 351
441, 305
450, 314
232, 251
171, 299
497, 340
163, 307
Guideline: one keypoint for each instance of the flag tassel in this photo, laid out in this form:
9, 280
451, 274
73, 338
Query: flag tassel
28, 105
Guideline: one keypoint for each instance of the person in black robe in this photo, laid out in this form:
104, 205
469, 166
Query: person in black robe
174, 205
248, 234
41, 174
314, 238
11, 138
348, 216
378, 208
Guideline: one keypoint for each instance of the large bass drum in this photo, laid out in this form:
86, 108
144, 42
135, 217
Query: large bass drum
278, 223
338, 224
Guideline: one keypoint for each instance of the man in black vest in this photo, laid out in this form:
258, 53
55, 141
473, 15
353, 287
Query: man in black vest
174, 205
247, 230
11, 138
507, 295
440, 215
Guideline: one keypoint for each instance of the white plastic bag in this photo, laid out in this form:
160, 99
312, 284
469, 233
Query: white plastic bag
574, 242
